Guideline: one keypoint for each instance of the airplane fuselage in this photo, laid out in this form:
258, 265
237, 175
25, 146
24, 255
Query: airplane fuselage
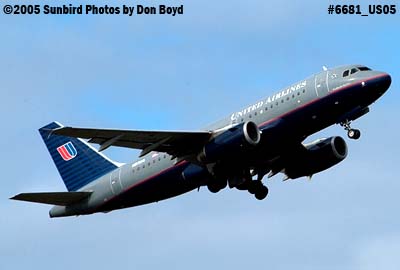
305, 107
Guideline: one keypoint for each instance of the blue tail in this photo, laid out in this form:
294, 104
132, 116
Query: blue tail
77, 162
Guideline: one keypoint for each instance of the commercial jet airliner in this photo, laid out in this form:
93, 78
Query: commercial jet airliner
265, 138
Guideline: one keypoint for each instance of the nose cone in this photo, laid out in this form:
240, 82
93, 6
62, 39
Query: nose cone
379, 81
385, 81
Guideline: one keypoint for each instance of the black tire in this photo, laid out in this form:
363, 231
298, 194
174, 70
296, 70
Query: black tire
261, 193
222, 183
354, 134
357, 134
213, 187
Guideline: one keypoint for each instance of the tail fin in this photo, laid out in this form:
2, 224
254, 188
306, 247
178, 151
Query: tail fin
77, 162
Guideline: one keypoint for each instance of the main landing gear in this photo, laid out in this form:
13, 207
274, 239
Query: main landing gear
254, 187
351, 133
257, 188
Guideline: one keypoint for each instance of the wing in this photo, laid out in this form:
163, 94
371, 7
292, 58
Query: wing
176, 143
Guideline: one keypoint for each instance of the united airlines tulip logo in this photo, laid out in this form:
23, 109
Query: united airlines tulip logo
67, 151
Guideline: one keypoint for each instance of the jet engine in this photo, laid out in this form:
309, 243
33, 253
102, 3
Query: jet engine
231, 143
320, 155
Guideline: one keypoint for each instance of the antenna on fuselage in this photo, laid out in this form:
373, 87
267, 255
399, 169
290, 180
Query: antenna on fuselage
324, 68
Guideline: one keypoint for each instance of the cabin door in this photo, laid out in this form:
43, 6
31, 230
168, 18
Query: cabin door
321, 83
115, 181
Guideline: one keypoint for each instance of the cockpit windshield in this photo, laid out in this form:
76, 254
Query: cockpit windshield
354, 70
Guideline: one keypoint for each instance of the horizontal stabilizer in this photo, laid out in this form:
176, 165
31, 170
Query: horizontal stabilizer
55, 198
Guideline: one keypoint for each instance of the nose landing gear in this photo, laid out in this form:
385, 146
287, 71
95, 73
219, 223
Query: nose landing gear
354, 134
351, 133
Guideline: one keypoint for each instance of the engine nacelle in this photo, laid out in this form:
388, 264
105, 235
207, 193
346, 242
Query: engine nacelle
196, 175
321, 155
231, 143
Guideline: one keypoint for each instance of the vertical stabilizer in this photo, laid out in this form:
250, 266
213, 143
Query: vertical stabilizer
77, 162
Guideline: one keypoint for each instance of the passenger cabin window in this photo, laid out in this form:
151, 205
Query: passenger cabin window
346, 73
353, 70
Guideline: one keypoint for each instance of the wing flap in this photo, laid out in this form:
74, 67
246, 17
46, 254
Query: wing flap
54, 198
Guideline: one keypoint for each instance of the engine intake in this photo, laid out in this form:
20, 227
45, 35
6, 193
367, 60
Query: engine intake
321, 155
231, 143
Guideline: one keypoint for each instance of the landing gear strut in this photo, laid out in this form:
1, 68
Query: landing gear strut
351, 133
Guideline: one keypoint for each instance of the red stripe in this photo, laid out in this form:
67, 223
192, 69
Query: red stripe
60, 152
64, 153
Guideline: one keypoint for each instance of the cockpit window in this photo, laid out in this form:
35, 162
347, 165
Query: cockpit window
353, 70
346, 73
364, 68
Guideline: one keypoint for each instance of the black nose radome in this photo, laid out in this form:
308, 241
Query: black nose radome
383, 83
386, 81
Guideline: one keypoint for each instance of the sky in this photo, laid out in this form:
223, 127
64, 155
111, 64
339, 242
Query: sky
183, 72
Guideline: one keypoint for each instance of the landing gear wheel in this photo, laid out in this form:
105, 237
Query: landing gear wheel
217, 185
353, 134
261, 193
213, 188
222, 184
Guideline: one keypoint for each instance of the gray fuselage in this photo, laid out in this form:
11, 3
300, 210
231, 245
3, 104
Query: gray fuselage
308, 106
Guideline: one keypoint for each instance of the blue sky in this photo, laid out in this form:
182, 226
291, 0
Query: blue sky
160, 72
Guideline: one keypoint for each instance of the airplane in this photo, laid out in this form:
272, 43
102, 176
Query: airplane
266, 137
